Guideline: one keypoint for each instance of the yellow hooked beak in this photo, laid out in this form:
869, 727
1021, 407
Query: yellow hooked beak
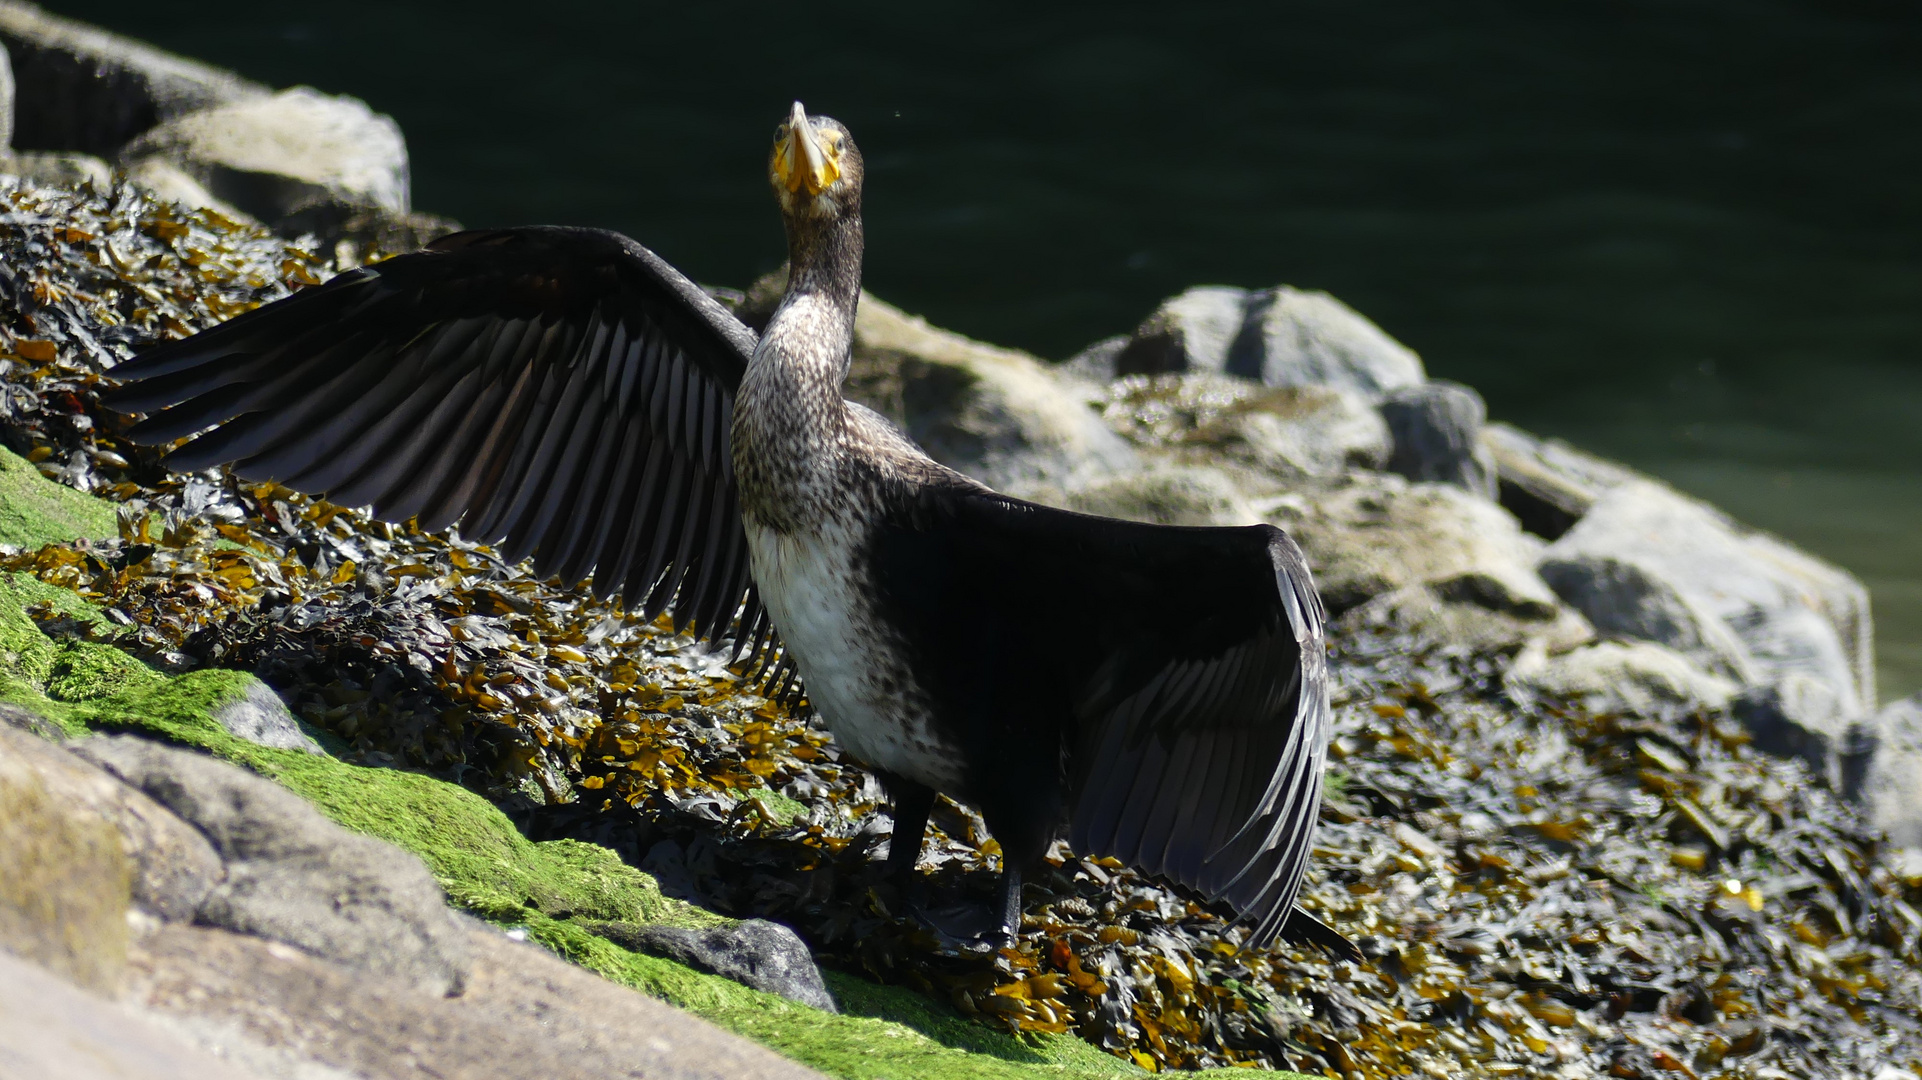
802, 160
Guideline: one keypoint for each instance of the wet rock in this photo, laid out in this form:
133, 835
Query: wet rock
1369, 533
1636, 677
259, 716
7, 95
82, 88
285, 155
1436, 429
1280, 336
757, 953
1547, 484
999, 415
67, 883
1645, 560
1891, 785
1426, 614
1166, 494
295, 877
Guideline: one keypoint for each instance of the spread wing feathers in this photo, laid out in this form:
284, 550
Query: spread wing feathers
561, 392
1208, 770
1182, 668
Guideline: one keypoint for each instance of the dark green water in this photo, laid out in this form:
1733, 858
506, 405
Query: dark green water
1685, 234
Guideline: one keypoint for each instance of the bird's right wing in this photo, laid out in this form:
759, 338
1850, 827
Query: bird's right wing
563, 392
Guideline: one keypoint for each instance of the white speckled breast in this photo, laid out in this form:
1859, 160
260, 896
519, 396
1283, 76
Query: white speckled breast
860, 685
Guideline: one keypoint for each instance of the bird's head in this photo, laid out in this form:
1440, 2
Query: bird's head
815, 168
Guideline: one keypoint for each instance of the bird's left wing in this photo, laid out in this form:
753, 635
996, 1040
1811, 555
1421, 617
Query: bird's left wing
562, 391
1185, 667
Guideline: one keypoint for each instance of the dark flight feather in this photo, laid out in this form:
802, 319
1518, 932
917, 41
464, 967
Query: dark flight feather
548, 389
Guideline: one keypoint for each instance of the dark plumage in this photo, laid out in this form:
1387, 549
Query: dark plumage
567, 394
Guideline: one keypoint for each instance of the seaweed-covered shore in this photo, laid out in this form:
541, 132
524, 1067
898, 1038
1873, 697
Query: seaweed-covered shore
1539, 890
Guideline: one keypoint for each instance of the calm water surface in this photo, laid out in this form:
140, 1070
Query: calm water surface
1687, 234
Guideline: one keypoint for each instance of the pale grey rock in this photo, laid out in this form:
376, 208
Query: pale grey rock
168, 181
1625, 599
1310, 431
1096, 363
1001, 416
1280, 336
1635, 677
82, 88
50, 1028
173, 867
56, 168
279, 156
1647, 560
7, 95
1366, 534
1890, 791
1435, 428
1547, 484
259, 716
1459, 620
295, 877
1164, 494
756, 953
1802, 717
525, 1015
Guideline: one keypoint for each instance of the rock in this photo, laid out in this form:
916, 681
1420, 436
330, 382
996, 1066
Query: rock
1206, 418
174, 868
259, 716
81, 88
1310, 431
1369, 533
1096, 362
31, 722
67, 883
1166, 494
764, 955
1424, 612
56, 168
1547, 484
1436, 429
998, 415
1625, 599
285, 155
169, 181
292, 875
8, 102
1636, 677
49, 1028
1279, 336
1890, 790
526, 1015
1647, 561
1798, 716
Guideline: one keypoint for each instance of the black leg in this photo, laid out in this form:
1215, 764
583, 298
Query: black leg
1010, 902
912, 802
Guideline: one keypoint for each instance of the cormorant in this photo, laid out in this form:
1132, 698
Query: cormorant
565, 393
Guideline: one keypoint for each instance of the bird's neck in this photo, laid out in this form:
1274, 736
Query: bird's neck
789, 415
